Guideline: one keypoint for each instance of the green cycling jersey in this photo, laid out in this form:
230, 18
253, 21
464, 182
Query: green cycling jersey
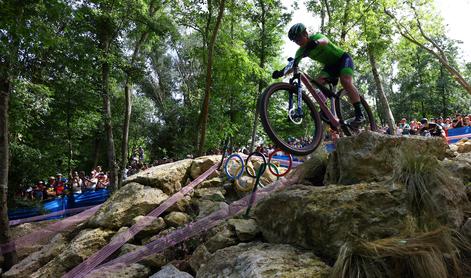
328, 54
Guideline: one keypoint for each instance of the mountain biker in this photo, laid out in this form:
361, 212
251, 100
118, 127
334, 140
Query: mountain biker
337, 63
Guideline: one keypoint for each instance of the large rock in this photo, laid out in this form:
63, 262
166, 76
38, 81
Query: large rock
153, 261
321, 218
460, 166
263, 260
176, 219
464, 146
168, 177
85, 244
37, 259
201, 164
169, 271
121, 208
130, 271
245, 229
370, 156
156, 225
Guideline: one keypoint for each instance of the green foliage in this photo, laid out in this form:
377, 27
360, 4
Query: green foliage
52, 52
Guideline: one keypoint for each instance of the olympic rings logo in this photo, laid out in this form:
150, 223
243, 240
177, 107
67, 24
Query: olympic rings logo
235, 166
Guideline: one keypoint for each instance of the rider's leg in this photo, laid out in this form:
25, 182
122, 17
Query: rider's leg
346, 79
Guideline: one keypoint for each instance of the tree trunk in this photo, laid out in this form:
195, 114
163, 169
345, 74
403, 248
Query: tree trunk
379, 87
207, 91
128, 99
110, 150
260, 82
5, 236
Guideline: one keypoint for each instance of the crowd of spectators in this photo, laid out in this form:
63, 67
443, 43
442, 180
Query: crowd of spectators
57, 186
433, 127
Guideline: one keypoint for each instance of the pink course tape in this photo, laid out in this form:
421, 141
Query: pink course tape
191, 229
93, 261
51, 229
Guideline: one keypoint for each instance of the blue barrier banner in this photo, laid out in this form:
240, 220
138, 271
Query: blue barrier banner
86, 199
456, 134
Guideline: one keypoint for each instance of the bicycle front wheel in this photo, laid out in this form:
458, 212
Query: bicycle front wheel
346, 112
295, 135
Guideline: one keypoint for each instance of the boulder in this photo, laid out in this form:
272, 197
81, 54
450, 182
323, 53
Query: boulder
201, 164
207, 207
245, 229
168, 177
121, 208
199, 257
169, 271
215, 194
370, 156
157, 225
152, 261
460, 166
464, 146
176, 219
263, 260
181, 205
130, 271
313, 170
37, 259
214, 182
321, 218
85, 244
225, 236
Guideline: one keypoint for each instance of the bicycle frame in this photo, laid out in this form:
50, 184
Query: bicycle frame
301, 77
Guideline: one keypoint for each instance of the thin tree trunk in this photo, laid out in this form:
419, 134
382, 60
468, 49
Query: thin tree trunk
5, 235
110, 150
207, 93
128, 99
96, 150
345, 20
380, 91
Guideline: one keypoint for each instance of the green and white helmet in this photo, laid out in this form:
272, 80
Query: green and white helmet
295, 30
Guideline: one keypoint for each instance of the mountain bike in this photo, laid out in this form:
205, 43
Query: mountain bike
296, 127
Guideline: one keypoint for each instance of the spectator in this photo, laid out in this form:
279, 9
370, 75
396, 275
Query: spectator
404, 126
447, 124
140, 151
76, 183
467, 121
458, 122
414, 127
51, 192
59, 185
431, 129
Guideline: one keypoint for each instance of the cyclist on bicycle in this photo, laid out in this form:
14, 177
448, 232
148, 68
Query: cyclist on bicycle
337, 63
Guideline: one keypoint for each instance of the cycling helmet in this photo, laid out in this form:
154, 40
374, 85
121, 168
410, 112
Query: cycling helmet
424, 121
295, 30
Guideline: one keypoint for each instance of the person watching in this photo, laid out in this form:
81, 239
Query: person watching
433, 129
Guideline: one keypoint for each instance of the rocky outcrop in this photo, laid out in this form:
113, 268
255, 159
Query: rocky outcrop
370, 156
322, 219
37, 259
168, 177
121, 208
85, 244
201, 164
263, 260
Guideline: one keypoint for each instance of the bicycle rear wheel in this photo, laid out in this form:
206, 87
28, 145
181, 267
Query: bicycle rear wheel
346, 112
300, 138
